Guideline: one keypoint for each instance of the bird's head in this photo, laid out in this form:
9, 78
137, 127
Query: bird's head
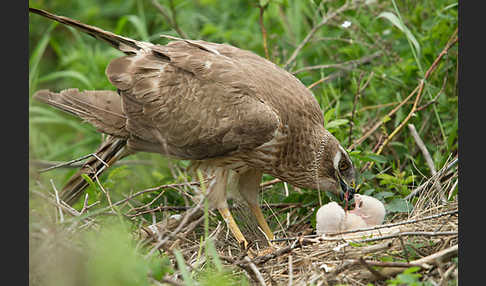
370, 209
334, 170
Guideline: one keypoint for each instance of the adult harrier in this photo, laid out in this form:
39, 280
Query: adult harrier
223, 108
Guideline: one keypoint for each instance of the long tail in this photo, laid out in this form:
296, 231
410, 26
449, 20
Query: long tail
110, 151
121, 43
102, 109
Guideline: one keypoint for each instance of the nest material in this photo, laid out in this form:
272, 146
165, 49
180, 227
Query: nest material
344, 258
427, 238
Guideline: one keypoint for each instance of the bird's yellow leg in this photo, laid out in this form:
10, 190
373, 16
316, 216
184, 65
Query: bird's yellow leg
261, 221
235, 230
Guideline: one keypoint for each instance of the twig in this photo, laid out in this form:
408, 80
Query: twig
434, 100
375, 227
452, 40
417, 90
106, 193
57, 164
60, 205
291, 271
314, 29
66, 163
269, 183
264, 31
183, 208
381, 122
347, 66
393, 264
445, 278
434, 258
255, 270
422, 148
326, 79
162, 187
432, 178
61, 216
262, 259
170, 20
375, 272
186, 218
85, 204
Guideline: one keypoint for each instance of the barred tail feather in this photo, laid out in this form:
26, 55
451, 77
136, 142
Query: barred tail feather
108, 153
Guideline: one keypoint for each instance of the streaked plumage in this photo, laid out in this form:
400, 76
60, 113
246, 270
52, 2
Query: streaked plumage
233, 113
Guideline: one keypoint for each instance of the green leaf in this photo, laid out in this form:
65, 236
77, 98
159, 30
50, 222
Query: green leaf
376, 158
399, 24
37, 54
398, 205
181, 264
67, 74
336, 123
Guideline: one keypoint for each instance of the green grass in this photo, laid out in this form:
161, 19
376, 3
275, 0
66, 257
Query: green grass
409, 34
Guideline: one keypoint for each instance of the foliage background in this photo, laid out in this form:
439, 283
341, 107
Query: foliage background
61, 57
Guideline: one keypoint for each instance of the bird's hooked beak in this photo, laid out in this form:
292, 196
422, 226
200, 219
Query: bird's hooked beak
348, 190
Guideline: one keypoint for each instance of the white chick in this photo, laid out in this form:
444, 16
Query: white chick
370, 209
329, 218
353, 221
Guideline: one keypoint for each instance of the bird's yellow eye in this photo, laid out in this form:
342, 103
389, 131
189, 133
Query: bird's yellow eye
343, 165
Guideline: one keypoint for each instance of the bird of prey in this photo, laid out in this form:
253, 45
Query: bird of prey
234, 114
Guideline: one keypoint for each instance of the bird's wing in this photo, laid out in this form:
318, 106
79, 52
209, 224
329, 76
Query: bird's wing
190, 102
187, 99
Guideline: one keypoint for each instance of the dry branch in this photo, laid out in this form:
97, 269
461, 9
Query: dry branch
421, 145
171, 20
434, 259
452, 40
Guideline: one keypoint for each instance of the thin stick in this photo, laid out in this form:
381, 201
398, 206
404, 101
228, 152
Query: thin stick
324, 79
422, 148
434, 258
291, 271
452, 40
432, 178
170, 20
178, 229
378, 226
392, 264
375, 272
66, 163
381, 122
264, 31
255, 270
54, 203
61, 216
57, 164
348, 65
106, 193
